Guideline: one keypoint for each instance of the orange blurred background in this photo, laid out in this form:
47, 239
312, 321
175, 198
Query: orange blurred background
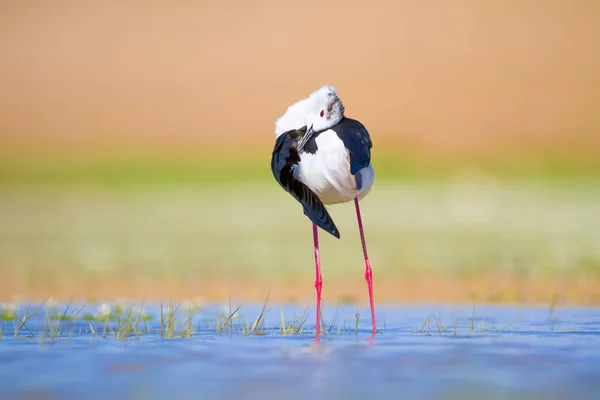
462, 76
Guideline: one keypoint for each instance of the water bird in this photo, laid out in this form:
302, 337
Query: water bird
321, 157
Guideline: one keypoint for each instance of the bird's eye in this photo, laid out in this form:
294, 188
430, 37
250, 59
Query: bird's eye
322, 113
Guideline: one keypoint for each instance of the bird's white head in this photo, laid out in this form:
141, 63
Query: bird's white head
320, 111
324, 109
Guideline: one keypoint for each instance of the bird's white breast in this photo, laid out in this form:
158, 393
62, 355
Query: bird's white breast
327, 172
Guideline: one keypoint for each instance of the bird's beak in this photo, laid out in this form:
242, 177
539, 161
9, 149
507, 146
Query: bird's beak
309, 133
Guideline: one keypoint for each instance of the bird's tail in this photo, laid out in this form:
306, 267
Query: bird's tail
322, 219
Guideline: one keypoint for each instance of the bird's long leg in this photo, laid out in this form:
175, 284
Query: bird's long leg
368, 272
318, 279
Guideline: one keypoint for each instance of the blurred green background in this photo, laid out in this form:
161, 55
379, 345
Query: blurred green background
135, 144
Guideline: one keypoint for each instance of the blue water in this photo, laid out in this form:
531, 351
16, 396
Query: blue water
504, 352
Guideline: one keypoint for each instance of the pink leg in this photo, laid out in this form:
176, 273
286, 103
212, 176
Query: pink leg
368, 272
318, 280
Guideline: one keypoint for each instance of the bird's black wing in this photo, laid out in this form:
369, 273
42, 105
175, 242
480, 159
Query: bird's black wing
358, 142
283, 161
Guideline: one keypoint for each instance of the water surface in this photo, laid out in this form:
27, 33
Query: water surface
497, 352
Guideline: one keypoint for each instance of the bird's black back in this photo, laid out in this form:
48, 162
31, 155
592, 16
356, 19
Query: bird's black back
358, 142
283, 161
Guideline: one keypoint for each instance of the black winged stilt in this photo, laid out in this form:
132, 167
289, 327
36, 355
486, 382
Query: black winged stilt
321, 157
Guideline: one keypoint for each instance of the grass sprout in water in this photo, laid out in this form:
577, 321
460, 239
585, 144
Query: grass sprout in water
50, 321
